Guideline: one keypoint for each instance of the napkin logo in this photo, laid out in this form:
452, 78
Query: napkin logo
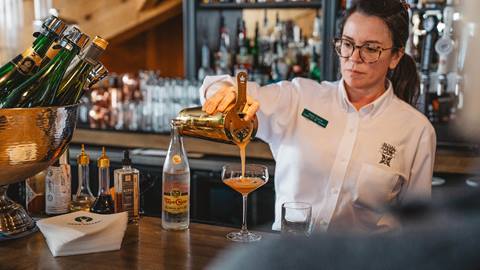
84, 220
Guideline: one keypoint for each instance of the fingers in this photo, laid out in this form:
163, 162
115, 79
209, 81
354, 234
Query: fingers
252, 110
228, 99
212, 104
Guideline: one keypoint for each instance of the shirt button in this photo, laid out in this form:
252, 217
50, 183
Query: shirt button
334, 191
323, 223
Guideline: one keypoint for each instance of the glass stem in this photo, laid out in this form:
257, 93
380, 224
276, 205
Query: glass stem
244, 221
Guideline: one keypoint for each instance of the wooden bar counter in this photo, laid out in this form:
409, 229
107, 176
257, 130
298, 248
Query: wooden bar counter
146, 246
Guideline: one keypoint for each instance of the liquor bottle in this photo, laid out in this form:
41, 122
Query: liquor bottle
74, 82
127, 189
40, 89
104, 202
58, 187
176, 185
35, 193
205, 69
84, 198
223, 58
24, 65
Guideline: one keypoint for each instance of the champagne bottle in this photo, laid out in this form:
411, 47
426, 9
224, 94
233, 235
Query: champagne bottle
73, 84
176, 185
24, 65
97, 74
40, 89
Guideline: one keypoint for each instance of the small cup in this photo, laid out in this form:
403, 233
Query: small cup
296, 218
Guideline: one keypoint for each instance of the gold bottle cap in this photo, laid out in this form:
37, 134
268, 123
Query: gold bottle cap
103, 161
100, 42
83, 158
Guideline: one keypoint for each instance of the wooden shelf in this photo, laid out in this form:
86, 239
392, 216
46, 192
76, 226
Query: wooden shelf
300, 4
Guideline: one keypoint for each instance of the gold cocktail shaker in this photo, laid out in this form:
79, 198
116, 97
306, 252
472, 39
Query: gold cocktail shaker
226, 127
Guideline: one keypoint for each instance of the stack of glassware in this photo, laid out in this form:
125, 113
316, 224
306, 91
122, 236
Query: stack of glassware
145, 103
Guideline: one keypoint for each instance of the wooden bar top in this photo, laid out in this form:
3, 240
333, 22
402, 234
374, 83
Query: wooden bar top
146, 246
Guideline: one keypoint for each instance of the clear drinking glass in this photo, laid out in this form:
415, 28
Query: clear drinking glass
255, 176
296, 218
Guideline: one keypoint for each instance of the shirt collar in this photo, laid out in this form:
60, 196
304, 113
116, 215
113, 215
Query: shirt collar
372, 108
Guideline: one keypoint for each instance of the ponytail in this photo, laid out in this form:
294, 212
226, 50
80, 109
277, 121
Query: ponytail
405, 80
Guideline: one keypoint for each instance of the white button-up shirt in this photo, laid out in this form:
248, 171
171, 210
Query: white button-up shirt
351, 168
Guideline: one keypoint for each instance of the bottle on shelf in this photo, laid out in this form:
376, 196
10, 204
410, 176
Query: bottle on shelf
75, 81
223, 57
83, 199
205, 69
104, 202
41, 88
26, 64
127, 189
176, 185
58, 182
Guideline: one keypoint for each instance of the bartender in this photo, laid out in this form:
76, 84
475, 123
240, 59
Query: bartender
351, 148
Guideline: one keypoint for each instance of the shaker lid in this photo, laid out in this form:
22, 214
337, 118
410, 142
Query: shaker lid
83, 158
103, 161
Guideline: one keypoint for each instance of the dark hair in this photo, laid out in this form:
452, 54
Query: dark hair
394, 13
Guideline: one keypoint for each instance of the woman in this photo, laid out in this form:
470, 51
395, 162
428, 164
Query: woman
354, 147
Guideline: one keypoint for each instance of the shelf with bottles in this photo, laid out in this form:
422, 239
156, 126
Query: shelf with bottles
271, 45
141, 103
210, 4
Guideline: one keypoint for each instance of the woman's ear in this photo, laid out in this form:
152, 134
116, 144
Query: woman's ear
396, 57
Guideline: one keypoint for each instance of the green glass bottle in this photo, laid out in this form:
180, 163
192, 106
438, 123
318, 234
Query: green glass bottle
40, 89
73, 84
24, 65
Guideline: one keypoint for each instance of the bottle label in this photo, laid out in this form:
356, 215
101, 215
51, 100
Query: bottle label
176, 199
129, 194
27, 61
58, 189
51, 52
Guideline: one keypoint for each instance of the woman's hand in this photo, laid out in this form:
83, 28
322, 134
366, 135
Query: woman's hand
224, 98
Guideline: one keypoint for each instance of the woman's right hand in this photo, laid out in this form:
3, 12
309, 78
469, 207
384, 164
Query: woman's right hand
226, 96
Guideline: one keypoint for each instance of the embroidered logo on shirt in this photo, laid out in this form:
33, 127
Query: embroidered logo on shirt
315, 118
388, 153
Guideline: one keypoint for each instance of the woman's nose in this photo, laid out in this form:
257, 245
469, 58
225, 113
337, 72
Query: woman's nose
356, 56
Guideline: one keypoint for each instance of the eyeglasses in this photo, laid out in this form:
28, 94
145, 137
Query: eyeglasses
369, 53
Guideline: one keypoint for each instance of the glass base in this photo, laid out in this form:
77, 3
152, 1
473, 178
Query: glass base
243, 236
473, 181
437, 181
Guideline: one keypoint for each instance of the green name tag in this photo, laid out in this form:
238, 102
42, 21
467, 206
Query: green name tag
315, 118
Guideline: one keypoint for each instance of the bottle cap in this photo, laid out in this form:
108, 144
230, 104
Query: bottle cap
97, 74
83, 158
100, 42
103, 161
54, 25
126, 161
76, 36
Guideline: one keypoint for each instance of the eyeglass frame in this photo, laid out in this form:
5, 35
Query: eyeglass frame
355, 46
